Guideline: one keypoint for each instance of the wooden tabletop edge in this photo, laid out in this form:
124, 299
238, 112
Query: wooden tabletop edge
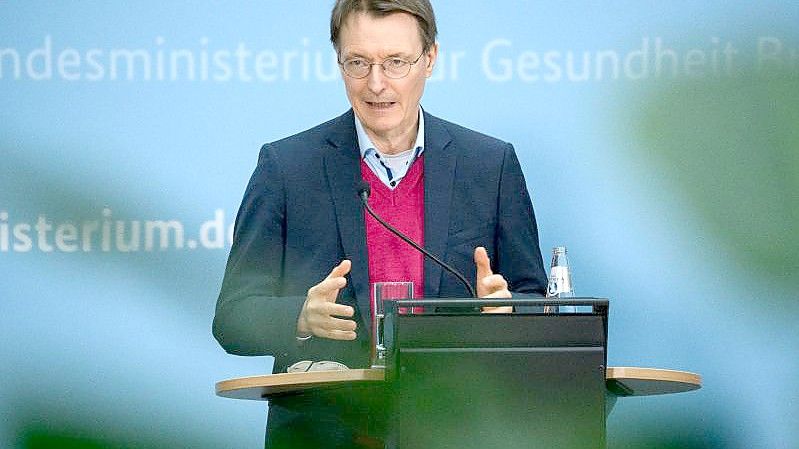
626, 372
310, 378
355, 375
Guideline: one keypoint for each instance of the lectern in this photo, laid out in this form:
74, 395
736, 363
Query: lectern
459, 378
465, 379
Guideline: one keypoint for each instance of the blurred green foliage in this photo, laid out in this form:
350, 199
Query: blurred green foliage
57, 434
731, 144
39, 438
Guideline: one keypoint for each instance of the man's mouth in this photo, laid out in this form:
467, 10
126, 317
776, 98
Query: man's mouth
381, 104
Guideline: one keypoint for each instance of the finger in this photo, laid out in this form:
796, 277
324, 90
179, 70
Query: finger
482, 262
494, 282
339, 335
334, 309
335, 328
321, 310
337, 324
323, 326
500, 309
335, 281
328, 289
499, 294
340, 270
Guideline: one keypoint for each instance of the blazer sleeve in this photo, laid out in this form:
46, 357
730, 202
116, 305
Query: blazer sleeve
518, 255
252, 317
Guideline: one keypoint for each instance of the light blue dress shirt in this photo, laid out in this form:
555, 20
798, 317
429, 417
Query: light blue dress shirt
389, 169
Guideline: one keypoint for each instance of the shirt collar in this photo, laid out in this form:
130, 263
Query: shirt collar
365, 143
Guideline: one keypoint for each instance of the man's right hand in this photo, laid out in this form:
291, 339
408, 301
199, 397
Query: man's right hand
318, 315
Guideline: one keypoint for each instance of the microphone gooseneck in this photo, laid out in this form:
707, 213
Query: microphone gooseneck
364, 190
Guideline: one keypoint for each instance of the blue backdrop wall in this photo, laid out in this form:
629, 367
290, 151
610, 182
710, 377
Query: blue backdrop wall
659, 141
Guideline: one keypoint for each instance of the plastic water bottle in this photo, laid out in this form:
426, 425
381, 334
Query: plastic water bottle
560, 282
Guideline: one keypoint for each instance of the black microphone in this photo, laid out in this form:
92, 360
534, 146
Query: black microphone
364, 190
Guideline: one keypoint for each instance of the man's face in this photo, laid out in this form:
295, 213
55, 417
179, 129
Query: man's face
386, 107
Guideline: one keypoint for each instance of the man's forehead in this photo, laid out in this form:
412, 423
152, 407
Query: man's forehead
364, 34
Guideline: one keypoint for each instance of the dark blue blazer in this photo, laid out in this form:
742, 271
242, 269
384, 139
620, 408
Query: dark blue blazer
301, 216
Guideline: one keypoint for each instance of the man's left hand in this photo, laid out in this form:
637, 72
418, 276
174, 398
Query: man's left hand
490, 285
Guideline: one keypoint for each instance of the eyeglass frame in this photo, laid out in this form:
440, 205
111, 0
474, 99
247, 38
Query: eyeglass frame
370, 64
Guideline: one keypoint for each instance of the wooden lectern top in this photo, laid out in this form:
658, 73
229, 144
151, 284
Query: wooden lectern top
631, 381
261, 387
621, 381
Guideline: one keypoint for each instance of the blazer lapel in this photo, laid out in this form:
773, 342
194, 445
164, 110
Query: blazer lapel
439, 168
342, 164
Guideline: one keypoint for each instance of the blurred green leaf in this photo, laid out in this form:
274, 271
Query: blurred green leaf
731, 145
65, 435
45, 440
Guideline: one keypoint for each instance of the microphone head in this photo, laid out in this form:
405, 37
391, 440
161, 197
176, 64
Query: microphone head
364, 190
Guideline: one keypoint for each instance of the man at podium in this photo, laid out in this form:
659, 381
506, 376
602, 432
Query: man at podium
305, 255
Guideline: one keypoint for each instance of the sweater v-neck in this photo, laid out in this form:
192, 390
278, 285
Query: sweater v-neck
405, 186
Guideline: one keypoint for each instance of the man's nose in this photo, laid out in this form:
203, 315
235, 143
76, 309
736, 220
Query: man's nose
376, 80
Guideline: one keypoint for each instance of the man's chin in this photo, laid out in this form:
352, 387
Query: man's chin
381, 115
380, 125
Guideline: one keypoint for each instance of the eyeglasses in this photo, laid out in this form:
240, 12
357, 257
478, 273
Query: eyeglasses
392, 67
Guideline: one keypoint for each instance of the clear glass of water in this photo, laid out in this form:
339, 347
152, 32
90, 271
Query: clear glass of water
382, 292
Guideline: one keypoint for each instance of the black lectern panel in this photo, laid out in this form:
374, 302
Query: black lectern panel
463, 379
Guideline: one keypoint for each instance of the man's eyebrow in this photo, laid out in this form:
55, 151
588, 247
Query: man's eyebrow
358, 55
398, 54
351, 55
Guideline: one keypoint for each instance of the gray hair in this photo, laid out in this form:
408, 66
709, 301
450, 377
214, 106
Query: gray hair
422, 10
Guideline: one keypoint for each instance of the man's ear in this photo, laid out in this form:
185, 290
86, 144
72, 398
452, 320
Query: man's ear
432, 56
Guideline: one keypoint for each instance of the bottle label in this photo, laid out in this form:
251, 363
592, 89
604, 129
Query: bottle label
559, 282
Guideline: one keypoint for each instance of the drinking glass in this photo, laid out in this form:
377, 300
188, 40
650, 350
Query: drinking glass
382, 292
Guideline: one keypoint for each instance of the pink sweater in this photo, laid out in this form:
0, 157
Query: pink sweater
391, 259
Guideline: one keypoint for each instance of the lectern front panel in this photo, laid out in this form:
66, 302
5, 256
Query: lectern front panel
464, 379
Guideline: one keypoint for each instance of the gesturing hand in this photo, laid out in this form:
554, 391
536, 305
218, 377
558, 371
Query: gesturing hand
490, 285
318, 315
